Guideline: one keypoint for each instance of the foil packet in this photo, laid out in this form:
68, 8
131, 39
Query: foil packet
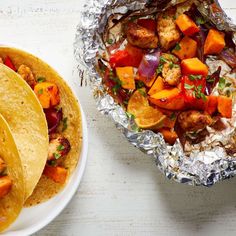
205, 163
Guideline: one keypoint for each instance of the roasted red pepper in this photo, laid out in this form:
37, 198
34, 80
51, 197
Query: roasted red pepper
8, 62
130, 56
193, 88
148, 24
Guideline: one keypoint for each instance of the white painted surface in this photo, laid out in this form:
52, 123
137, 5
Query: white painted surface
122, 192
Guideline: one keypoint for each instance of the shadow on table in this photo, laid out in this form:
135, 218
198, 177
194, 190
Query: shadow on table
195, 206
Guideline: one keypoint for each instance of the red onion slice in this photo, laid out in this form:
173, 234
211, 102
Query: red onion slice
53, 117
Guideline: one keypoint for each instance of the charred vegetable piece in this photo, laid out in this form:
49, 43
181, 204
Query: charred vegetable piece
126, 76
26, 73
58, 148
229, 57
187, 25
149, 24
56, 173
187, 48
169, 135
140, 36
8, 62
194, 66
215, 42
225, 106
53, 117
5, 185
192, 121
48, 94
212, 104
167, 30
157, 86
2, 166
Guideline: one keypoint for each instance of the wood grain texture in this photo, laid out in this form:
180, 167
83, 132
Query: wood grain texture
122, 192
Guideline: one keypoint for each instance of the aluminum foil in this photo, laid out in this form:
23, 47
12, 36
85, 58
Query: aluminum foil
206, 163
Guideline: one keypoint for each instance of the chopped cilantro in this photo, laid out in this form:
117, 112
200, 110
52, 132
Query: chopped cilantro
60, 147
195, 77
200, 21
228, 84
56, 155
117, 86
139, 84
159, 69
40, 91
110, 41
177, 47
173, 116
222, 83
41, 79
64, 124
143, 93
171, 65
188, 86
163, 60
130, 116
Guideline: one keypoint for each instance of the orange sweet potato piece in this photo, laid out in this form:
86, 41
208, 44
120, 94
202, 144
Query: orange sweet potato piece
126, 76
170, 136
212, 103
48, 94
170, 99
215, 42
186, 25
157, 86
193, 66
56, 173
5, 185
147, 81
225, 106
188, 48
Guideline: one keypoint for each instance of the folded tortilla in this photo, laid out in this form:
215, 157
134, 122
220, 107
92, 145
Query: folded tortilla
12, 203
46, 188
25, 117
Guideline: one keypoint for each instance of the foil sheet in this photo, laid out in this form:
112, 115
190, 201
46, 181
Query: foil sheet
205, 163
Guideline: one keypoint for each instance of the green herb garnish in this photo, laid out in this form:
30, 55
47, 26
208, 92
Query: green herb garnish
159, 69
173, 116
41, 79
56, 155
163, 60
195, 77
60, 147
40, 91
110, 41
143, 93
188, 86
139, 84
177, 47
64, 124
130, 116
200, 21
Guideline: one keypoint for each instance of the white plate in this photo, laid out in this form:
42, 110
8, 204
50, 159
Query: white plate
35, 218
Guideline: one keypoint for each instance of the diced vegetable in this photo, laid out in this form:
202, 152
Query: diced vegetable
187, 25
215, 42
53, 117
8, 62
157, 86
130, 56
170, 99
136, 55
225, 106
170, 136
56, 173
148, 24
187, 48
126, 76
48, 94
212, 103
149, 64
193, 66
146, 80
5, 185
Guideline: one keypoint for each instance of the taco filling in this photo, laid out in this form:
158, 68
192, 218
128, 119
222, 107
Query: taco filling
157, 68
48, 94
5, 180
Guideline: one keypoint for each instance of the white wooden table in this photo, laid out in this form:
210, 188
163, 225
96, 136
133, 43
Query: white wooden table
122, 192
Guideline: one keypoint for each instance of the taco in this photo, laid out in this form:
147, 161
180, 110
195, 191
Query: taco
63, 118
12, 190
24, 114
